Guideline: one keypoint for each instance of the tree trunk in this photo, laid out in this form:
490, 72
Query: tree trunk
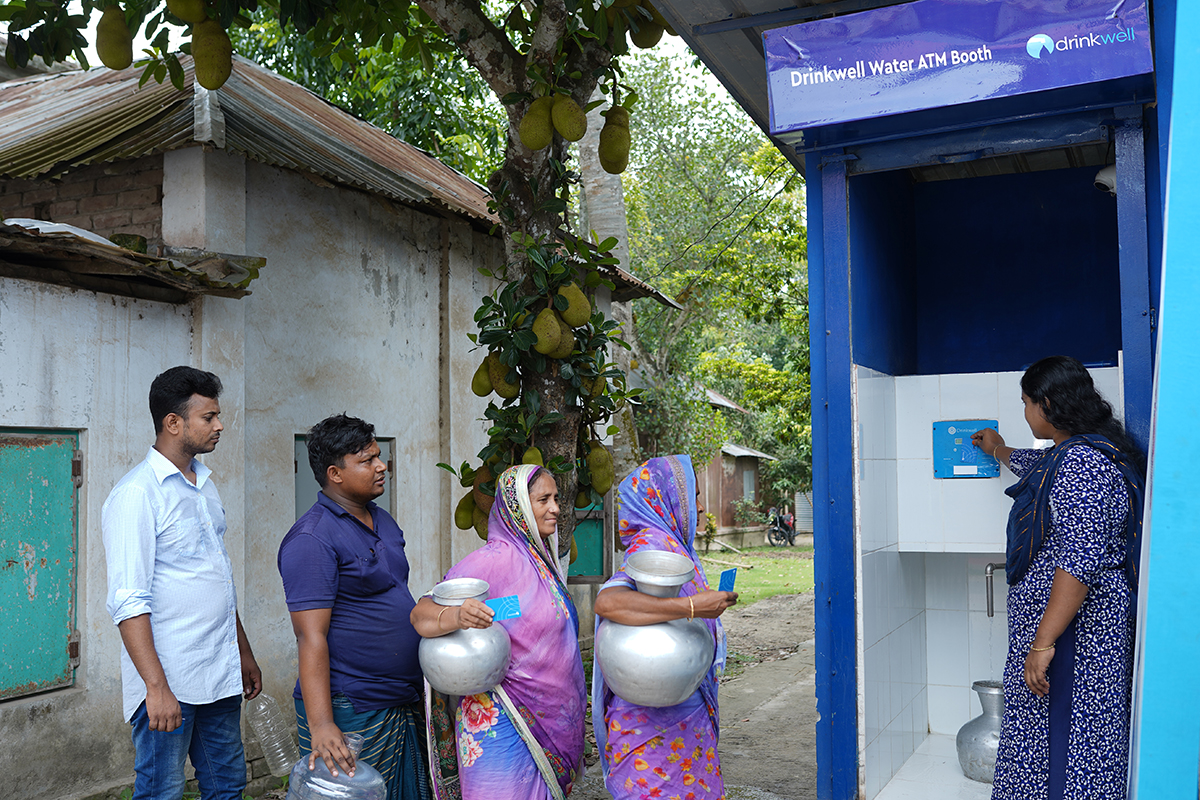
603, 203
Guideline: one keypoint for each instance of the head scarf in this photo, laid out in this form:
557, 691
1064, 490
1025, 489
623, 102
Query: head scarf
656, 505
545, 675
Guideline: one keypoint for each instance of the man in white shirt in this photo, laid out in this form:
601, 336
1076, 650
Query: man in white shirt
185, 660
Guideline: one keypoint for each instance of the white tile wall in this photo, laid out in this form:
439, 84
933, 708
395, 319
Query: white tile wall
892, 594
965, 515
963, 644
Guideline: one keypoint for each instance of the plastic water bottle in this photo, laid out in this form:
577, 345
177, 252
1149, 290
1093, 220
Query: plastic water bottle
274, 734
318, 784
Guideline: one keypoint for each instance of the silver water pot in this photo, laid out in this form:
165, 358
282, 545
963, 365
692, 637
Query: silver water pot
470, 661
661, 664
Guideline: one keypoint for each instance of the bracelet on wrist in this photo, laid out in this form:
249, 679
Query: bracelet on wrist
1040, 649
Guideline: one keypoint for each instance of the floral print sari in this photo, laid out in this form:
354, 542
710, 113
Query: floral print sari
476, 750
668, 753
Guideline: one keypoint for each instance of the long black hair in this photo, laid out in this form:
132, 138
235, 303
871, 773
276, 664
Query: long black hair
1064, 390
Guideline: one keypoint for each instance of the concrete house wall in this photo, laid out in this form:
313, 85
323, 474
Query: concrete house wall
363, 307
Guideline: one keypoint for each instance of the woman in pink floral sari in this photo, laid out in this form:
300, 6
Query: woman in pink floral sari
671, 752
478, 751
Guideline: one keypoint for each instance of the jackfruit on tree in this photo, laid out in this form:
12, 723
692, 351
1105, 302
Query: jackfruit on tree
114, 42
481, 384
547, 330
533, 455
574, 550
579, 308
600, 465
464, 512
212, 53
536, 129
647, 34
569, 119
482, 475
480, 520
498, 373
615, 141
190, 11
566, 342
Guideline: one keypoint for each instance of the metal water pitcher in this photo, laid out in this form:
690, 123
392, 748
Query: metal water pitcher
661, 664
469, 661
979, 739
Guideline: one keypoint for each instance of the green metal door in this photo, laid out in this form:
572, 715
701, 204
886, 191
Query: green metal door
589, 539
38, 477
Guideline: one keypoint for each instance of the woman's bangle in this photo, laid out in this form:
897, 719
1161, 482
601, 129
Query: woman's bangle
439, 619
1040, 649
995, 450
692, 606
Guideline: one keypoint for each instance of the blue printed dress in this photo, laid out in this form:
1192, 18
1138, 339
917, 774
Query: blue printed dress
1090, 736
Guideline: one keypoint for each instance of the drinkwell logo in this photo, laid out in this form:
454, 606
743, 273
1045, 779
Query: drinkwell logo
1038, 44
1041, 44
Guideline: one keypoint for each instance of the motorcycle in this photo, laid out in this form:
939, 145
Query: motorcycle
782, 529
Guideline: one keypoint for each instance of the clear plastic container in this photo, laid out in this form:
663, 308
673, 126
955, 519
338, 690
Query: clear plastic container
274, 734
318, 784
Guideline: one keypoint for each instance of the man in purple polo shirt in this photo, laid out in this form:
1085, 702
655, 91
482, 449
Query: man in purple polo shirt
345, 576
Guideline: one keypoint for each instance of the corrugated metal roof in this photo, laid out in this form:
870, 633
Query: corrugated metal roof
717, 399
51, 123
737, 451
61, 254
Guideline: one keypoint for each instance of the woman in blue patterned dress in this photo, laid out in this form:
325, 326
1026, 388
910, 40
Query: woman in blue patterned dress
1073, 541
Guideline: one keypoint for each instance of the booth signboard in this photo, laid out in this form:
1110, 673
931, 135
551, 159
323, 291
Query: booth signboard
934, 53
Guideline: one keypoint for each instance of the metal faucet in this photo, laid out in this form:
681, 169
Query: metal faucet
987, 576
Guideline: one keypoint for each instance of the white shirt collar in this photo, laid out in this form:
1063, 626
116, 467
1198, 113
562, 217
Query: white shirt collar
164, 468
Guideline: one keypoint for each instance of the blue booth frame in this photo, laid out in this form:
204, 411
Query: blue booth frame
1157, 215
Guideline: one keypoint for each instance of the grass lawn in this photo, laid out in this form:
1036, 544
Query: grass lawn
776, 570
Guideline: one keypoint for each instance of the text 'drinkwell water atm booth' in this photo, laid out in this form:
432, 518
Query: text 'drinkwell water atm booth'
976, 181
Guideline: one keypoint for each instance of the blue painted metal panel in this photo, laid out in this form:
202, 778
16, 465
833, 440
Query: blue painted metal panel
956, 456
883, 275
1025, 242
37, 561
819, 402
933, 53
834, 554
1135, 280
1167, 738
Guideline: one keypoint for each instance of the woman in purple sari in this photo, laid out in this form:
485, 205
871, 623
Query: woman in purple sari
525, 743
661, 752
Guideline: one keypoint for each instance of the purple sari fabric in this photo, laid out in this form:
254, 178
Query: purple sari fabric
545, 677
660, 752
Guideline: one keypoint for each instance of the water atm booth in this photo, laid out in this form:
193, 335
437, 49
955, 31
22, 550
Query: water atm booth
986, 185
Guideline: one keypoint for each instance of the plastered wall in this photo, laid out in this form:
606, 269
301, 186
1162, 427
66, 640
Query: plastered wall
81, 361
363, 307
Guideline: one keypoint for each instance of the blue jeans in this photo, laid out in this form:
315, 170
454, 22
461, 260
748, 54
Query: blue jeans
211, 734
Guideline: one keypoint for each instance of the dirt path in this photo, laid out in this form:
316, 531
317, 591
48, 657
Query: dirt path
768, 704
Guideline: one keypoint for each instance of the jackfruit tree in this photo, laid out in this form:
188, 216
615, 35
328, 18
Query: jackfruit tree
559, 401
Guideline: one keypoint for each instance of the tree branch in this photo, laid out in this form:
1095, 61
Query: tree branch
552, 24
485, 45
